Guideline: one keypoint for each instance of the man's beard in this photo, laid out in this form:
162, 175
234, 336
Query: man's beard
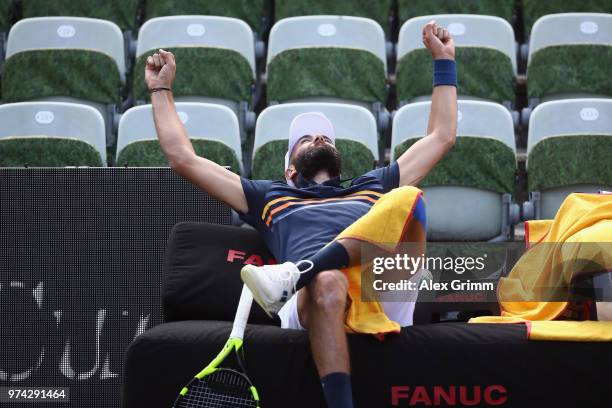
316, 158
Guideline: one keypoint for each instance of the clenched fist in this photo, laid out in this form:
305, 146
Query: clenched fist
438, 41
160, 70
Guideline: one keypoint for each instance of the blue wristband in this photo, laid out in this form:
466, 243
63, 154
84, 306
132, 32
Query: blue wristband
445, 72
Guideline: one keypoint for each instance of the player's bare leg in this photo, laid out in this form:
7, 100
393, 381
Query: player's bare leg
321, 309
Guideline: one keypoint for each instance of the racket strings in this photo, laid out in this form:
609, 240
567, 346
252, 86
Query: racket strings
222, 389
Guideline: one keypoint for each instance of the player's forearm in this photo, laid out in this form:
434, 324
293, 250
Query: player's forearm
443, 115
422, 156
171, 133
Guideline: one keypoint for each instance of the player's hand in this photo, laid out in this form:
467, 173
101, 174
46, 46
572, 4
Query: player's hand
160, 70
438, 41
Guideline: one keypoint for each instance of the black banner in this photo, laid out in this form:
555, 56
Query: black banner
81, 255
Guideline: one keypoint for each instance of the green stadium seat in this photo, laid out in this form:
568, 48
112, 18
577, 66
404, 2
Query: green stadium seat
356, 138
569, 57
485, 54
375, 10
328, 59
213, 130
535, 9
71, 59
51, 134
469, 193
569, 147
249, 11
408, 9
121, 12
215, 60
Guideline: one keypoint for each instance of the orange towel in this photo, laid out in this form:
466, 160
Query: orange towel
389, 222
557, 250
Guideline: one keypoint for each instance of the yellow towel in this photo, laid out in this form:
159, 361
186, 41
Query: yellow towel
389, 222
581, 230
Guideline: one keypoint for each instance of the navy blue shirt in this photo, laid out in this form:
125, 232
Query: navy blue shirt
296, 222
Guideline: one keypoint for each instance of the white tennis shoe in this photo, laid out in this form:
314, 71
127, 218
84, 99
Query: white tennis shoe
272, 285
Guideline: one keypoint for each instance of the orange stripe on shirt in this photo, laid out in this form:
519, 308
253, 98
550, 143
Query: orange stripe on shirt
289, 204
288, 198
276, 200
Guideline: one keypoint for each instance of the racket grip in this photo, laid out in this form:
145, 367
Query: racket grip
242, 314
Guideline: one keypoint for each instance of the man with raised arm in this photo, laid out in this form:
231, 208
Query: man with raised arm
312, 225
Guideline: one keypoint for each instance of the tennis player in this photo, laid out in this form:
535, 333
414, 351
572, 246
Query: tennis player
302, 218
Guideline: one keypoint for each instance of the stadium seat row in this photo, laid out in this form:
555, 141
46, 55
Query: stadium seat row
315, 58
569, 149
128, 13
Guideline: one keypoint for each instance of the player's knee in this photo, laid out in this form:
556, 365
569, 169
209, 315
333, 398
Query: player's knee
329, 290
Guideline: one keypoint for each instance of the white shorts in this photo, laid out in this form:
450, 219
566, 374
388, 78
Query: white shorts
400, 311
